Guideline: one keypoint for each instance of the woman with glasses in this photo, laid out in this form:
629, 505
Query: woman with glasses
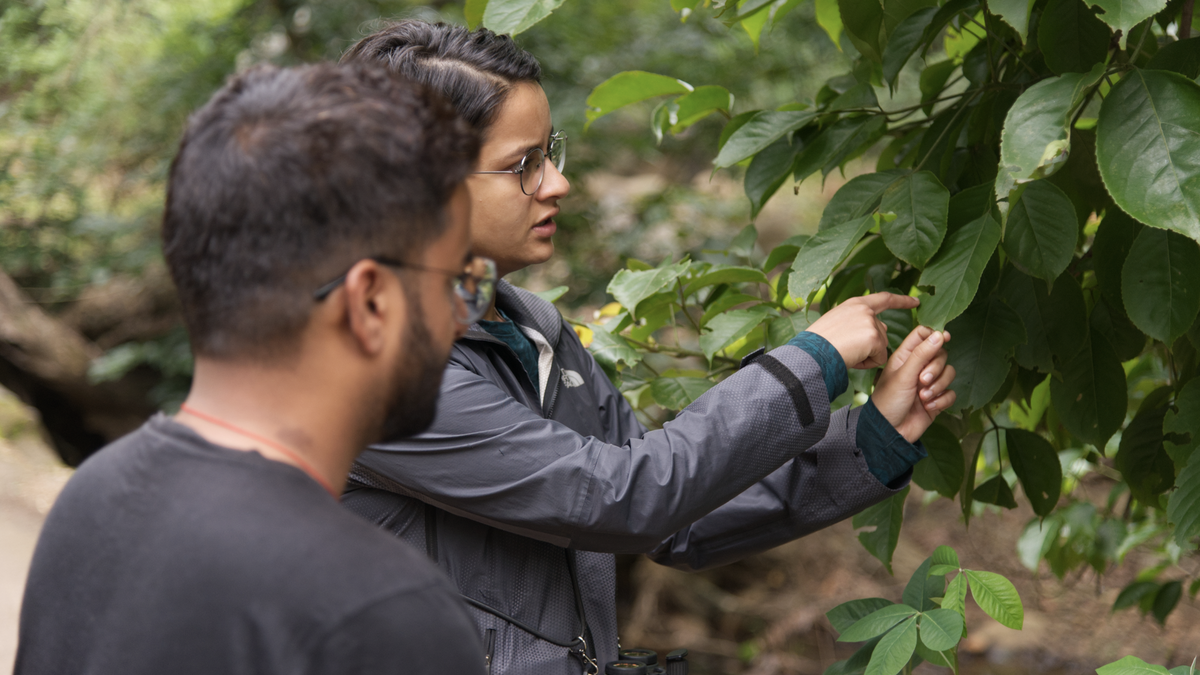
536, 471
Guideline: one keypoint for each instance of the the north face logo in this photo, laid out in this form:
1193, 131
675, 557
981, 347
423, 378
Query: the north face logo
571, 378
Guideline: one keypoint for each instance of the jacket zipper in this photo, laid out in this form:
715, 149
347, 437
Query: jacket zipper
489, 646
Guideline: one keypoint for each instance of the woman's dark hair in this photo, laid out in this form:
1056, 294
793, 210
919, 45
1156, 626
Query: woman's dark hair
286, 178
474, 70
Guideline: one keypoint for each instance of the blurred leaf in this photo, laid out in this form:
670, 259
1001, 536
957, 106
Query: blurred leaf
785, 328
1181, 56
700, 103
1184, 426
1146, 141
1161, 283
677, 393
955, 271
1131, 665
1070, 37
1036, 539
821, 253
943, 469
609, 349
731, 326
985, 337
724, 303
1123, 15
631, 288
1141, 459
886, 517
1055, 323
904, 42
862, 22
860, 196
1014, 13
552, 294
1109, 250
473, 12
933, 81
767, 172
758, 132
996, 596
830, 20
723, 274
1165, 600
1090, 397
1037, 466
785, 252
921, 205
624, 88
833, 145
516, 16
995, 491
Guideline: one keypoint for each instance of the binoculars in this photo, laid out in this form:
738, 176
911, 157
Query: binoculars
645, 662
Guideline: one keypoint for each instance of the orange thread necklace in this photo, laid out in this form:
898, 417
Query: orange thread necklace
288, 452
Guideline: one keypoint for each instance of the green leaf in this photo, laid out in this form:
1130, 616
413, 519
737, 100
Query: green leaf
1014, 13
1036, 138
1148, 139
1165, 600
894, 649
631, 288
473, 12
886, 517
1041, 231
677, 393
1110, 248
628, 87
1131, 665
1036, 539
956, 594
785, 252
733, 125
863, 22
985, 337
609, 349
847, 614
723, 330
1160, 282
941, 629
834, 145
996, 491
760, 131
1126, 340
725, 274
996, 596
552, 294
1090, 397
933, 81
822, 252
1133, 593
516, 16
693, 107
944, 555
830, 20
955, 271
1036, 464
949, 12
1184, 425
922, 587
921, 205
860, 196
1182, 56
1071, 38
942, 471
767, 172
1142, 459
857, 663
876, 623
1123, 15
1055, 323
903, 42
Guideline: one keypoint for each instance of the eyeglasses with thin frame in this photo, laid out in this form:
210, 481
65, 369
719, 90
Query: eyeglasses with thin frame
533, 165
472, 293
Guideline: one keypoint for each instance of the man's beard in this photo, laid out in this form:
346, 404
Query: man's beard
418, 379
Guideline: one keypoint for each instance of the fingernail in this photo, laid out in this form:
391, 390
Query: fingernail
935, 339
927, 378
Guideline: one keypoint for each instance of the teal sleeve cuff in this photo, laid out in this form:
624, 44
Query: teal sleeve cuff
833, 367
889, 456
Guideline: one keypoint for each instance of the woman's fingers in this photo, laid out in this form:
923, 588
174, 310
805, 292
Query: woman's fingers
928, 394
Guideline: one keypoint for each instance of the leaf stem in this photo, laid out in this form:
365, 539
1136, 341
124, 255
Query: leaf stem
945, 131
683, 306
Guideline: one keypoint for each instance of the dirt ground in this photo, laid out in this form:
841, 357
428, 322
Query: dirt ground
764, 615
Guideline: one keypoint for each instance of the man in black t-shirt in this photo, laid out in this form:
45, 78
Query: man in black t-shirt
315, 229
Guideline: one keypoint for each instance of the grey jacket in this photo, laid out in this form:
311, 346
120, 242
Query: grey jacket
512, 487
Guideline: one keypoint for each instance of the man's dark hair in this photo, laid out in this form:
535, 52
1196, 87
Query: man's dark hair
474, 70
286, 178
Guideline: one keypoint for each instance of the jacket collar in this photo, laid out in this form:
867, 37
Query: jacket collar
526, 309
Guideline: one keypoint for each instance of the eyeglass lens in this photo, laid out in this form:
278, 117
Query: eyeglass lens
533, 165
475, 287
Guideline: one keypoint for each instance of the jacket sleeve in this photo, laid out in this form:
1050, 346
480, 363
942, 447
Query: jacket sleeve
489, 458
823, 485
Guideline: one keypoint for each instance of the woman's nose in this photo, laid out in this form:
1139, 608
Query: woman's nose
554, 184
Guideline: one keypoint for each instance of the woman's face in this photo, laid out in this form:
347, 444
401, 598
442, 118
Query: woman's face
513, 228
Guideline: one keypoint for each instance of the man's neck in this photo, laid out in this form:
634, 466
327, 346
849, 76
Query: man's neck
284, 414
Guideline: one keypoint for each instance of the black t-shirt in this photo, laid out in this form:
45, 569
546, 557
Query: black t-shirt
168, 554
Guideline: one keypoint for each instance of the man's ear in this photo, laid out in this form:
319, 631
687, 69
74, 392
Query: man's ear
375, 305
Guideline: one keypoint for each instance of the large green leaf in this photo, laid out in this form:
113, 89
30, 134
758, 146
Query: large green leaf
1041, 230
1037, 467
860, 196
724, 329
1160, 282
923, 587
998, 597
996, 491
821, 253
726, 274
516, 16
847, 614
677, 393
628, 87
956, 594
1037, 136
903, 42
1181, 57
1124, 337
473, 12
1036, 539
609, 349
955, 271
767, 172
863, 22
894, 649
941, 629
876, 623
830, 19
1181, 427
933, 81
1123, 15
920, 204
1111, 246
1165, 600
1090, 397
1131, 665
886, 517
942, 470
827, 151
631, 288
1014, 13
1142, 459
984, 339
760, 131
1055, 323
1070, 37
692, 107
1148, 149
1183, 508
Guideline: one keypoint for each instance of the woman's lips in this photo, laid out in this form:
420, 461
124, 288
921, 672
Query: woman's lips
545, 228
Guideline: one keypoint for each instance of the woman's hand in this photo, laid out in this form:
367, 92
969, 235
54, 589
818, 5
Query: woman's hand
912, 389
854, 329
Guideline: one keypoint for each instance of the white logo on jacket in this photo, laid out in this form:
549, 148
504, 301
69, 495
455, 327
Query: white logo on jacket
571, 378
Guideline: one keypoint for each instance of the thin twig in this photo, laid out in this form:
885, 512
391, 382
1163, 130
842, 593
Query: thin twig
945, 131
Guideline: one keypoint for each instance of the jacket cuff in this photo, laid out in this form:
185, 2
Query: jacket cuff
889, 456
833, 367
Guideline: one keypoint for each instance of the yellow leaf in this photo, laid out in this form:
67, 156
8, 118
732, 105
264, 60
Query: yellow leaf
585, 334
611, 309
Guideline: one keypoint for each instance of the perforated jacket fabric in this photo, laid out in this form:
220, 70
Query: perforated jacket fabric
510, 477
